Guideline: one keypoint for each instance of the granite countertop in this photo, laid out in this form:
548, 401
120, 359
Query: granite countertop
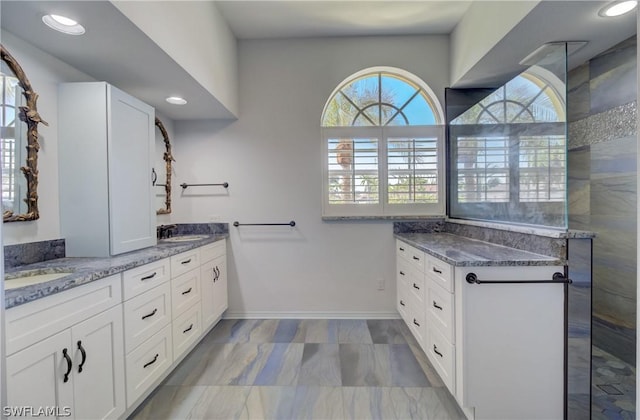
85, 270
465, 252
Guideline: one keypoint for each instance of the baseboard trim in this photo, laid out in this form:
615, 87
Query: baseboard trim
310, 315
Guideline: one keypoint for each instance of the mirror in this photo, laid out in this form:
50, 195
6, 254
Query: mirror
167, 157
19, 142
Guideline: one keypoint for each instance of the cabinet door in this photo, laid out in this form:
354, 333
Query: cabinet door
220, 298
35, 377
130, 149
99, 372
207, 290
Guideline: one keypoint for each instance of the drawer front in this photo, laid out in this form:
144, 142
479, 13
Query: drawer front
185, 292
441, 272
34, 321
140, 279
440, 310
147, 363
442, 355
411, 254
416, 286
184, 262
212, 251
186, 330
145, 315
416, 320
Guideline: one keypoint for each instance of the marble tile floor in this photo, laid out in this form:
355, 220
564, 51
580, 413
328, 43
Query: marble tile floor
303, 369
613, 390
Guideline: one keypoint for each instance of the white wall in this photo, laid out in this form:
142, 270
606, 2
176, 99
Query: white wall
199, 40
44, 73
271, 158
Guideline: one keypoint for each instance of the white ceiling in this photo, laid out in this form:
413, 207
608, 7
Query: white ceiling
295, 19
115, 50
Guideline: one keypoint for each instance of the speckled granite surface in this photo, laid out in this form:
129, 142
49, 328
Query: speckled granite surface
33, 252
86, 270
465, 252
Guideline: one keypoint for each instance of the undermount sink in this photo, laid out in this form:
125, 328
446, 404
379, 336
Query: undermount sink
28, 278
185, 238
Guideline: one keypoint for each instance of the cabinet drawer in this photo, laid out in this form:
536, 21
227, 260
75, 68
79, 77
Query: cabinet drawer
140, 279
442, 355
440, 309
145, 315
32, 322
147, 363
211, 251
186, 330
416, 320
416, 286
411, 254
401, 301
184, 262
441, 272
185, 292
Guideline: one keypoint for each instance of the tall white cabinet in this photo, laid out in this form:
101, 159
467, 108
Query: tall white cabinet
106, 150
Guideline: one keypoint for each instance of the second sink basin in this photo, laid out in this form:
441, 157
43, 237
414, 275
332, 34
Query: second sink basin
15, 280
184, 238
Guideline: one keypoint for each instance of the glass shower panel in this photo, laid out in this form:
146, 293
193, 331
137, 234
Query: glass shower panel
508, 152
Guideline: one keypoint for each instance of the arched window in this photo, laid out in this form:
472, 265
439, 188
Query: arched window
383, 136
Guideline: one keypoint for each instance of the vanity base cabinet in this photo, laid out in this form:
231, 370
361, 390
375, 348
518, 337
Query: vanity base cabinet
78, 372
213, 275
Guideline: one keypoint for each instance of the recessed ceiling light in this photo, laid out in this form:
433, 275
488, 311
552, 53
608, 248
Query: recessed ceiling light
176, 100
618, 8
63, 24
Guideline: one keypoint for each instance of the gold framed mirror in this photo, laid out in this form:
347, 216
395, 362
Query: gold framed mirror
18, 105
167, 158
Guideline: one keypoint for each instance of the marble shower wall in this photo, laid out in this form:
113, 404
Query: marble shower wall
602, 166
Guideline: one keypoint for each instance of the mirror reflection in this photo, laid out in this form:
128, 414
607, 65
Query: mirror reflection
19, 142
163, 170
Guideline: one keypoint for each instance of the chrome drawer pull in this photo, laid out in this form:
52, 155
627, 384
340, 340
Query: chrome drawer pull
435, 350
437, 271
186, 261
187, 291
415, 286
151, 362
435, 305
415, 322
150, 276
151, 314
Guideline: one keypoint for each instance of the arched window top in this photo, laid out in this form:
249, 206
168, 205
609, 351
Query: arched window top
531, 97
382, 96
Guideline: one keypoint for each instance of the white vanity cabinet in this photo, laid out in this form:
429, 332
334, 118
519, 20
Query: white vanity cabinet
65, 351
106, 141
213, 274
498, 346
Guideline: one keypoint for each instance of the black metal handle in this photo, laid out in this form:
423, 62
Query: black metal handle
291, 223
435, 350
69, 364
437, 271
151, 362
402, 303
402, 273
150, 276
415, 286
401, 249
184, 185
558, 278
154, 177
186, 261
84, 356
151, 314
187, 291
415, 322
217, 270
416, 258
435, 305
188, 329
